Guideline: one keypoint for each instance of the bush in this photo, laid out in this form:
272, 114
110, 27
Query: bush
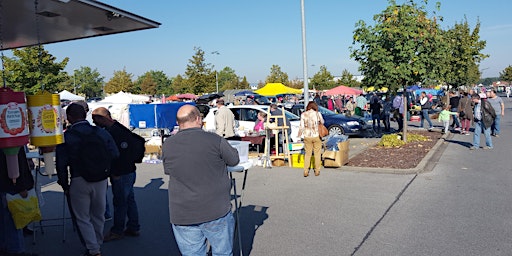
395, 140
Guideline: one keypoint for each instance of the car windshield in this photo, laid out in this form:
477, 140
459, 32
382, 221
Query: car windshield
290, 116
325, 111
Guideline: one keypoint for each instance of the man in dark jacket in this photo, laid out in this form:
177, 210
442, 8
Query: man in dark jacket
87, 198
483, 117
122, 177
11, 239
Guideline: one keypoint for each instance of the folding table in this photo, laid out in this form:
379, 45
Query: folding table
241, 167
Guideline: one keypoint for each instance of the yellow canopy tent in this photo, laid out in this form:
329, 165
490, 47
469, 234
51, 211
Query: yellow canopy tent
272, 89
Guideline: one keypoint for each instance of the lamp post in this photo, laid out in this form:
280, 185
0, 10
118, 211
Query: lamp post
74, 81
216, 77
304, 55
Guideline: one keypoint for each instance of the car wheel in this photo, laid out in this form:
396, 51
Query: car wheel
336, 130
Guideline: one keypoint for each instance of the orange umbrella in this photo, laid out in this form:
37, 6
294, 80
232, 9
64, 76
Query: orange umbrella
172, 98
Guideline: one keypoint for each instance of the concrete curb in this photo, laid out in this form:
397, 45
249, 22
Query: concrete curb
425, 165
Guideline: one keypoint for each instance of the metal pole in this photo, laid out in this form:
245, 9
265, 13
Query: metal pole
216, 81
304, 56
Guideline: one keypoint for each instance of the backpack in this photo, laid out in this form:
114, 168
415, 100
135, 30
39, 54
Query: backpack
138, 150
93, 159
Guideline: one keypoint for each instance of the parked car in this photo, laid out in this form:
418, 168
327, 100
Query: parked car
246, 116
337, 124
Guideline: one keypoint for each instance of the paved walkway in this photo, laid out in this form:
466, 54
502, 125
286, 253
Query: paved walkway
461, 207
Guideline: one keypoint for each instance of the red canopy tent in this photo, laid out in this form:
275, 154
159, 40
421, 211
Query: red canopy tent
187, 96
172, 98
343, 90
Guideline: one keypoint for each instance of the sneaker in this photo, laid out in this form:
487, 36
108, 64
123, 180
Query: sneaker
496, 135
430, 129
130, 232
467, 133
111, 236
473, 148
487, 147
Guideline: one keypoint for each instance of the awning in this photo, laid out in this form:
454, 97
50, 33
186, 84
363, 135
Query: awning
63, 20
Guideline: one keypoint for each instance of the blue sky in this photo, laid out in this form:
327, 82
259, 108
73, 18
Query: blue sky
251, 36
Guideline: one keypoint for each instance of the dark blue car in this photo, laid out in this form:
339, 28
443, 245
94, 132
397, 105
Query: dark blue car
337, 124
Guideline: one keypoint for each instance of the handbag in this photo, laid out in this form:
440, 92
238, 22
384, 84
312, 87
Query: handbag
24, 210
322, 130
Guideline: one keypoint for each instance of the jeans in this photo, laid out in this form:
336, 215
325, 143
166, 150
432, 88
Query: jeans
479, 126
495, 128
191, 239
455, 118
376, 119
11, 239
124, 203
424, 115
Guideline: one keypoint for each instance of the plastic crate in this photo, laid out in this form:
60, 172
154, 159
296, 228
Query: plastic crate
243, 149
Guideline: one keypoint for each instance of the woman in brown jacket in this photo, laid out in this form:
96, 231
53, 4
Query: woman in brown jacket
465, 110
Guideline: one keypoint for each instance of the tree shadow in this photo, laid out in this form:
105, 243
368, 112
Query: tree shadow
461, 143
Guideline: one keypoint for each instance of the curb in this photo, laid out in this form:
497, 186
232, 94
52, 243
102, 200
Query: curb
427, 164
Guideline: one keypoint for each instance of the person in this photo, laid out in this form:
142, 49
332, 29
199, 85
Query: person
483, 114
444, 117
224, 120
361, 102
398, 105
275, 111
309, 121
350, 107
12, 241
199, 186
338, 104
499, 108
507, 90
465, 110
87, 198
375, 108
260, 123
122, 177
386, 113
454, 104
426, 105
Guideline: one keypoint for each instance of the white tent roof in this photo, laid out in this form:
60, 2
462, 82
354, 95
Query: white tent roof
126, 98
66, 95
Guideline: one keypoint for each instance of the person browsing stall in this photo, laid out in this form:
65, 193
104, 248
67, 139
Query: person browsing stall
309, 121
87, 190
122, 177
199, 186
224, 120
260, 123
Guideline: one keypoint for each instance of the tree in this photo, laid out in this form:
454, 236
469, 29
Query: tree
179, 85
244, 84
323, 79
146, 84
464, 54
32, 68
122, 81
228, 79
277, 76
199, 76
297, 83
402, 48
347, 79
87, 82
506, 74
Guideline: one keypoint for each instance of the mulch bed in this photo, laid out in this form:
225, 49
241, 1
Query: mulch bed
405, 157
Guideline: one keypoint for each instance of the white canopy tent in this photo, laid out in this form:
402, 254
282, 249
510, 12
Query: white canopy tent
66, 95
125, 98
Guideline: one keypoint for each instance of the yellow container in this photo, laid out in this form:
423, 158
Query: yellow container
298, 161
45, 119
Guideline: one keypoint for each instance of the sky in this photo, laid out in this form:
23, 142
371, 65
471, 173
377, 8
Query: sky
251, 36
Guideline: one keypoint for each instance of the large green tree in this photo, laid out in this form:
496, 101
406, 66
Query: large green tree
323, 79
121, 81
198, 74
464, 55
228, 79
277, 76
86, 81
400, 49
244, 84
154, 83
32, 68
506, 74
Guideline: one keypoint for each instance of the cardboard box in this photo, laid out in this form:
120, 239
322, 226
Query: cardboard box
340, 157
298, 161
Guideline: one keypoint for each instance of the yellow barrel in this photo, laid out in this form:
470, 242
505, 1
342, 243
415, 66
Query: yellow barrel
45, 119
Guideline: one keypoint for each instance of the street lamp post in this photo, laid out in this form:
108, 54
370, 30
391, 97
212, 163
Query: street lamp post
216, 76
304, 55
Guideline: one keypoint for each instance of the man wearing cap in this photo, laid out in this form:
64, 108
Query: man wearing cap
224, 120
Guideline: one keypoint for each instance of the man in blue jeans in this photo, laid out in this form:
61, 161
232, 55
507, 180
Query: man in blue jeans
199, 186
426, 105
483, 117
122, 178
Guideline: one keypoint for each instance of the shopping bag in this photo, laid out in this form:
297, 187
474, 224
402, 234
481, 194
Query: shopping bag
24, 210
